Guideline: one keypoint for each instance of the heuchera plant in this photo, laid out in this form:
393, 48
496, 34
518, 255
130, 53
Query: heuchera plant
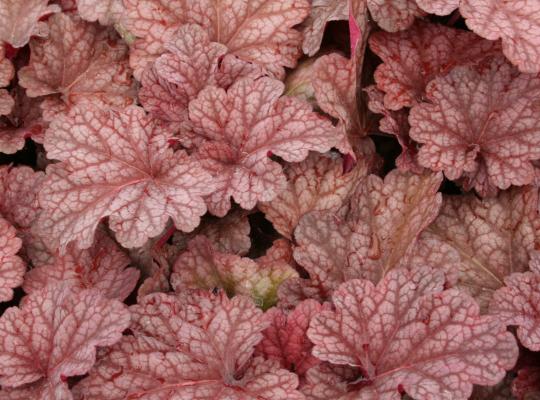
269, 199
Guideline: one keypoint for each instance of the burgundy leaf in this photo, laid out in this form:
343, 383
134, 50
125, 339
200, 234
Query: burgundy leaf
526, 386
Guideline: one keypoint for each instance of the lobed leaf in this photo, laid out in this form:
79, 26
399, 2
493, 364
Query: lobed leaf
259, 31
19, 20
484, 241
54, 335
322, 12
102, 267
413, 58
12, 267
212, 359
106, 12
116, 164
408, 334
515, 22
241, 126
516, 303
480, 125
285, 338
374, 234
78, 62
316, 184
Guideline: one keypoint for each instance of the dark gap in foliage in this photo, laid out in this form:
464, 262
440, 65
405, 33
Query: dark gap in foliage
18, 294
388, 148
262, 234
449, 187
25, 156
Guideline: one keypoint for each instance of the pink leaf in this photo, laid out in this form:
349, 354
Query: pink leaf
257, 31
299, 82
103, 267
517, 303
408, 334
327, 381
190, 63
117, 164
484, 241
229, 234
481, 126
6, 103
54, 334
438, 7
212, 359
285, 339
322, 12
295, 290
24, 122
79, 62
19, 187
413, 58
106, 12
241, 126
515, 22
316, 184
335, 86
19, 20
374, 234
336, 82
12, 268
394, 15
7, 71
